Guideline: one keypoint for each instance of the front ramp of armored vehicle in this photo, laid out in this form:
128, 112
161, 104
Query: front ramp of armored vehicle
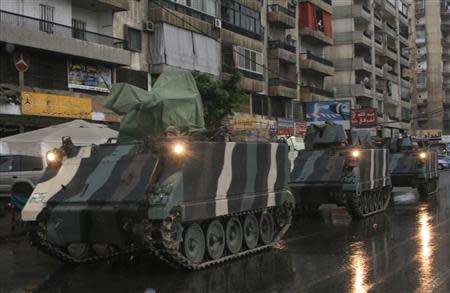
88, 209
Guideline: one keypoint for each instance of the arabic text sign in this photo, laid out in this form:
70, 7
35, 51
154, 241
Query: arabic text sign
88, 76
41, 104
285, 126
364, 117
241, 123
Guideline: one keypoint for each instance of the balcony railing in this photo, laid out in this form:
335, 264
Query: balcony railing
282, 45
282, 82
318, 91
311, 56
285, 10
60, 30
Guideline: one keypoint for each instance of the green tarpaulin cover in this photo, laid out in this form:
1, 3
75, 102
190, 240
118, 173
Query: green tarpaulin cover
174, 102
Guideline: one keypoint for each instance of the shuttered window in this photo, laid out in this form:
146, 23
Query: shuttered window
247, 59
78, 29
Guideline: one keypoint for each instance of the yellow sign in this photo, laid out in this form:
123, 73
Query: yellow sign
241, 123
429, 133
41, 104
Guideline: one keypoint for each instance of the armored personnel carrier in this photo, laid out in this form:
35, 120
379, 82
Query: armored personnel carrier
347, 171
413, 164
190, 201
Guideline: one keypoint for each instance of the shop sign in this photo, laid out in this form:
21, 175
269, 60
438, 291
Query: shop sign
87, 76
42, 104
364, 117
285, 126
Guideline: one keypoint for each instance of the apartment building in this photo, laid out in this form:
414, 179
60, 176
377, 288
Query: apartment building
316, 37
371, 58
69, 53
432, 67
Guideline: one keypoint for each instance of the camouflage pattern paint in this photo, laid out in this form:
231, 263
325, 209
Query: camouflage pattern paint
329, 168
111, 185
407, 168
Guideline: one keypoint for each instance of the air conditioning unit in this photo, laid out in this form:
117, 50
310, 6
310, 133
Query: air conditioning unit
217, 23
149, 26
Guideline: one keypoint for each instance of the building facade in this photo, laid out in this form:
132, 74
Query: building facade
58, 59
432, 67
371, 57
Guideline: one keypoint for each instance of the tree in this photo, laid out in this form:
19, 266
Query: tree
220, 97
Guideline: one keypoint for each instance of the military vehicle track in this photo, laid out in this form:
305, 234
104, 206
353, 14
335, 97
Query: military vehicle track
169, 248
428, 188
368, 202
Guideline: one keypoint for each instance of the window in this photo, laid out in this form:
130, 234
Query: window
78, 29
46, 16
205, 6
6, 164
420, 4
260, 105
319, 19
247, 59
134, 39
242, 17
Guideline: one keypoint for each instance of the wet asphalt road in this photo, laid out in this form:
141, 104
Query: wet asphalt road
406, 249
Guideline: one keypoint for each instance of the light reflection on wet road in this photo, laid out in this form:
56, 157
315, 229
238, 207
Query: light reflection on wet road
403, 250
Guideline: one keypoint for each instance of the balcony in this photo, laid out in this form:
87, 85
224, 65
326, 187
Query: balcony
358, 12
357, 63
446, 43
281, 16
404, 38
32, 32
280, 87
390, 30
313, 94
317, 64
421, 86
386, 6
354, 90
391, 100
422, 117
391, 53
446, 85
282, 51
403, 18
99, 5
315, 36
322, 4
405, 83
356, 37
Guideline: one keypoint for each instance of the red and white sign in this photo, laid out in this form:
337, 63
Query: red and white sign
22, 61
364, 117
300, 128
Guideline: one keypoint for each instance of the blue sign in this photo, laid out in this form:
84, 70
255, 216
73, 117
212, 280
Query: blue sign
328, 110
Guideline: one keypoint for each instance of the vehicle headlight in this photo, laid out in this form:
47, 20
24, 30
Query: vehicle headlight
356, 154
51, 156
423, 155
54, 157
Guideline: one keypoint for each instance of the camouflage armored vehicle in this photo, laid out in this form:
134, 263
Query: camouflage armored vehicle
190, 201
347, 171
413, 164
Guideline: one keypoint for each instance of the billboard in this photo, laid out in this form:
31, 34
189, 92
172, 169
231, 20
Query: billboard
337, 111
364, 117
87, 76
41, 104
430, 134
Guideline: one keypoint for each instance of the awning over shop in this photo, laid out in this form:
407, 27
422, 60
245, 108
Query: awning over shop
40, 141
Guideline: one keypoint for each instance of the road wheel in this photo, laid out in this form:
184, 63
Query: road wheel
266, 227
194, 243
441, 167
78, 250
215, 239
234, 235
251, 231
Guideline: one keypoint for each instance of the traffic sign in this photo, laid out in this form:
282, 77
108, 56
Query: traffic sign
22, 61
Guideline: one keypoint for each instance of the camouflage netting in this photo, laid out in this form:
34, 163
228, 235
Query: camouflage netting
173, 103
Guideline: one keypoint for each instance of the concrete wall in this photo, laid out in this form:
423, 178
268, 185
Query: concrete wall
97, 22
134, 17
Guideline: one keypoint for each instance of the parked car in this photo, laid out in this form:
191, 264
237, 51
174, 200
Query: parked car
443, 162
18, 175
